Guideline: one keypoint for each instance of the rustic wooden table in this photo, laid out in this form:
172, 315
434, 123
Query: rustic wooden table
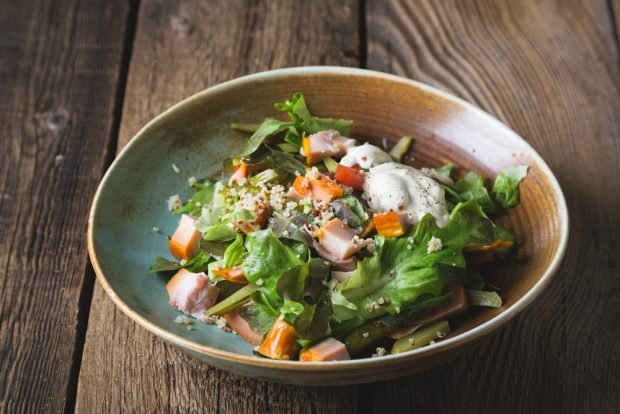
79, 78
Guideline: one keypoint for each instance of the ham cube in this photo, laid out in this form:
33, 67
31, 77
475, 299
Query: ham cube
329, 349
325, 144
340, 240
240, 325
185, 242
192, 293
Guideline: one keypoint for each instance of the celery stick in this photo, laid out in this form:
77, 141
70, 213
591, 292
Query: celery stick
233, 301
401, 148
421, 337
244, 127
288, 147
331, 164
484, 298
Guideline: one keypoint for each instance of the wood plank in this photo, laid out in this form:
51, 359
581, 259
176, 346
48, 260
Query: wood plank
55, 59
549, 69
182, 47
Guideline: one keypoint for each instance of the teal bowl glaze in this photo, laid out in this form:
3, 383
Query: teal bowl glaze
195, 136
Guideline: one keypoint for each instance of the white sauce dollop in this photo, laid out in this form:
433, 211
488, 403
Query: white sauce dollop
365, 156
398, 187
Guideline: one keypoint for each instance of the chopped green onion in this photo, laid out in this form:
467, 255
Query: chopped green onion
263, 177
401, 148
484, 298
233, 301
244, 127
421, 337
330, 164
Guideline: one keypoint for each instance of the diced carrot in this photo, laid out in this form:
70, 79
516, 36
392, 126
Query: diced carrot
351, 177
329, 349
325, 190
369, 229
302, 186
495, 245
458, 304
280, 342
240, 325
305, 143
240, 172
389, 224
184, 243
232, 274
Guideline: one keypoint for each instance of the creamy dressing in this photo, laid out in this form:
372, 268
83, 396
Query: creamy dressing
400, 188
366, 156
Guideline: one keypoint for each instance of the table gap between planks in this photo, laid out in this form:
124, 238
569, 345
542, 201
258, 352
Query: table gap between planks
78, 79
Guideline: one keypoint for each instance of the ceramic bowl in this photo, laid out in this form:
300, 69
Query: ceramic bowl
195, 136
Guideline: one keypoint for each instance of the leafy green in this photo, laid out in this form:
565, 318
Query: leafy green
402, 269
291, 227
286, 161
203, 194
221, 231
234, 253
445, 169
506, 185
471, 187
258, 316
196, 264
215, 249
503, 234
263, 177
306, 305
303, 119
355, 206
267, 128
244, 127
267, 260
235, 300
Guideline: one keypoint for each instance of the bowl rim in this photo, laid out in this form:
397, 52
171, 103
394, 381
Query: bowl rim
471, 335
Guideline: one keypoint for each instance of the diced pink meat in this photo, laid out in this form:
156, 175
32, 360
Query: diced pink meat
329, 349
185, 242
240, 325
192, 293
340, 240
325, 144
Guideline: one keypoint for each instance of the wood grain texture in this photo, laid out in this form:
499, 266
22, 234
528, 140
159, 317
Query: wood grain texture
55, 59
182, 47
550, 70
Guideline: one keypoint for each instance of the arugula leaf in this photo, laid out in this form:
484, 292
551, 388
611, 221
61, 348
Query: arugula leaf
197, 264
506, 185
286, 161
203, 195
259, 316
303, 119
267, 128
267, 260
234, 253
503, 234
402, 269
221, 231
471, 187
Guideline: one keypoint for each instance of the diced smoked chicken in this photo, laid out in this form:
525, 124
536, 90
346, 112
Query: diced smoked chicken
340, 240
240, 325
191, 293
323, 144
329, 349
458, 304
185, 242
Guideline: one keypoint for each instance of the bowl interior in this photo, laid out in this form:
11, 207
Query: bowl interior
195, 136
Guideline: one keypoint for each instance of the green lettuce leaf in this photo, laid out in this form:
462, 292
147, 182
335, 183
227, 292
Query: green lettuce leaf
197, 264
472, 187
506, 185
234, 253
307, 306
203, 195
303, 119
267, 260
267, 128
402, 269
259, 316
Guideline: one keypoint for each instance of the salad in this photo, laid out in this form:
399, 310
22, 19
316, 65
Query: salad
313, 246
